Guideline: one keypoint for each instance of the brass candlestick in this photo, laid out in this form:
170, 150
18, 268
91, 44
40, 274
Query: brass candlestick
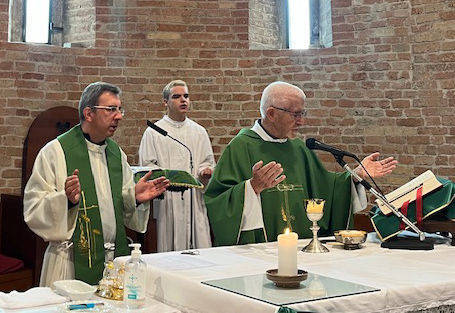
314, 210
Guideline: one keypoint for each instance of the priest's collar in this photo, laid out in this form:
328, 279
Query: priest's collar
87, 136
177, 124
258, 129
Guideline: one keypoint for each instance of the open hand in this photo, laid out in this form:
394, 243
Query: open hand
149, 189
266, 176
376, 167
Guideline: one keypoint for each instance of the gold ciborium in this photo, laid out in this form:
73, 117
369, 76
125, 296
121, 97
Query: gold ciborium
314, 210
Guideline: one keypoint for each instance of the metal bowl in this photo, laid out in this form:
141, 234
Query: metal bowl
285, 281
352, 239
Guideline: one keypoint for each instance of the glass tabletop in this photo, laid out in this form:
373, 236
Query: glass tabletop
315, 287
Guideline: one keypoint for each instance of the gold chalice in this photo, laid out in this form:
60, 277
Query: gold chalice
314, 210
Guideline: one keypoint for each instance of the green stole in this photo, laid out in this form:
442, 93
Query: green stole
89, 263
306, 178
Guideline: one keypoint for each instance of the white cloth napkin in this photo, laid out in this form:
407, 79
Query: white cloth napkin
31, 298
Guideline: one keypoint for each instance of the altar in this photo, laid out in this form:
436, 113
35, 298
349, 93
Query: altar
396, 280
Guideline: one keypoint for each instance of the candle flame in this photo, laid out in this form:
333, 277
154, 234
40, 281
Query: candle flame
286, 231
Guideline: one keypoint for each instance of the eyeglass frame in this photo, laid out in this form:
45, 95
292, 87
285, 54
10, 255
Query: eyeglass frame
111, 109
295, 115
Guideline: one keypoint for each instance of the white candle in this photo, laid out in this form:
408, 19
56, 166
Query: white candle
287, 253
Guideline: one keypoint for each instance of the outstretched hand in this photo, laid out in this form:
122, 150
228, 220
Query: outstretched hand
149, 189
266, 176
374, 166
73, 187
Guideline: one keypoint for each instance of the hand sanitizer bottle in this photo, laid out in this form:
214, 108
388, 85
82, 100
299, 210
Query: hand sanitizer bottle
134, 281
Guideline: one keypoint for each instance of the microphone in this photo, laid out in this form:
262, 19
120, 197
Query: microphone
157, 128
314, 144
164, 133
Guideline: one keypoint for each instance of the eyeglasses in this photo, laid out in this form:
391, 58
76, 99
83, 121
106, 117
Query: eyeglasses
177, 96
111, 109
295, 115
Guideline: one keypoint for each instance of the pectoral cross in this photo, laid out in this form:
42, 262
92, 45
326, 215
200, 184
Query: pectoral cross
284, 188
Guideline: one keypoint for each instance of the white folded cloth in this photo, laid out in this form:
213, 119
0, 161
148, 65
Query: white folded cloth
31, 298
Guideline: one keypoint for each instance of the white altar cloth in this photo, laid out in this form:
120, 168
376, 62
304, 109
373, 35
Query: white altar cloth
409, 280
111, 306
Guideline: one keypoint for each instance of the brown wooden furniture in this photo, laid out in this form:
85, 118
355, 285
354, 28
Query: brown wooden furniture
17, 240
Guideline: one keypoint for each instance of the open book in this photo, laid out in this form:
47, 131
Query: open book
179, 180
408, 191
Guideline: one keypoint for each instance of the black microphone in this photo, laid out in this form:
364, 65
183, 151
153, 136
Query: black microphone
314, 144
157, 128
164, 133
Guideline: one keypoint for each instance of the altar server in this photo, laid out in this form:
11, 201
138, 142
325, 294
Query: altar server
173, 214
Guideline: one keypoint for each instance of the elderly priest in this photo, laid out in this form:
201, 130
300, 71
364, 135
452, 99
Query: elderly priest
81, 192
264, 174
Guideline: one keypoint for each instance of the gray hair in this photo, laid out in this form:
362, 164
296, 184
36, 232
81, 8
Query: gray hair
91, 94
273, 93
172, 84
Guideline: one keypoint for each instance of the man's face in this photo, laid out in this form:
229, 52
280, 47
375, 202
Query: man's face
104, 122
288, 117
178, 103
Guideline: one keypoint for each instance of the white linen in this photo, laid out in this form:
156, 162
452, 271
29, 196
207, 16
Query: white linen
173, 213
31, 298
111, 306
252, 208
409, 280
47, 214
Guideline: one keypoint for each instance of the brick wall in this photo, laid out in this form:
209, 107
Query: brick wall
387, 84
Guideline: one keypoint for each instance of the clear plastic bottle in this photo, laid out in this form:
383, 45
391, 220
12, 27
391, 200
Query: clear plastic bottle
134, 279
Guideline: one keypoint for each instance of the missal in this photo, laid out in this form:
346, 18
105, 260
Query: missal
408, 191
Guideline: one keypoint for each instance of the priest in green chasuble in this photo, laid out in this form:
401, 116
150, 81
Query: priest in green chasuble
265, 173
81, 193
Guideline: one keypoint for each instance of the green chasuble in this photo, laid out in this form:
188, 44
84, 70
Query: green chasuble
305, 178
88, 241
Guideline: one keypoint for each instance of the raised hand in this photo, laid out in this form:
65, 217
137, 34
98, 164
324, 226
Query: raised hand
266, 176
376, 167
73, 187
149, 189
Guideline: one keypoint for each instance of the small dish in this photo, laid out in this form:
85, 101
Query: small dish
352, 239
285, 281
74, 289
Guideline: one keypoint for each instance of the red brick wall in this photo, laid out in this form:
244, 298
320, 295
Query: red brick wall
387, 84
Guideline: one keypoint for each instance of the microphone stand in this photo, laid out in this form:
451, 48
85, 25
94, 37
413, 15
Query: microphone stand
189, 189
339, 159
165, 133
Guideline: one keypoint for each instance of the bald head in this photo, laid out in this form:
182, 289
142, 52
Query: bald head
276, 93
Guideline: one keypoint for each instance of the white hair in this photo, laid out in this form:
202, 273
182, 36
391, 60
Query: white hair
274, 92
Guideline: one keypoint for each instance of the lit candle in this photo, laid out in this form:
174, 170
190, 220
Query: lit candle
287, 253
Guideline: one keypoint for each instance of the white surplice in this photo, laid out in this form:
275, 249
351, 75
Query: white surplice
47, 214
173, 213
